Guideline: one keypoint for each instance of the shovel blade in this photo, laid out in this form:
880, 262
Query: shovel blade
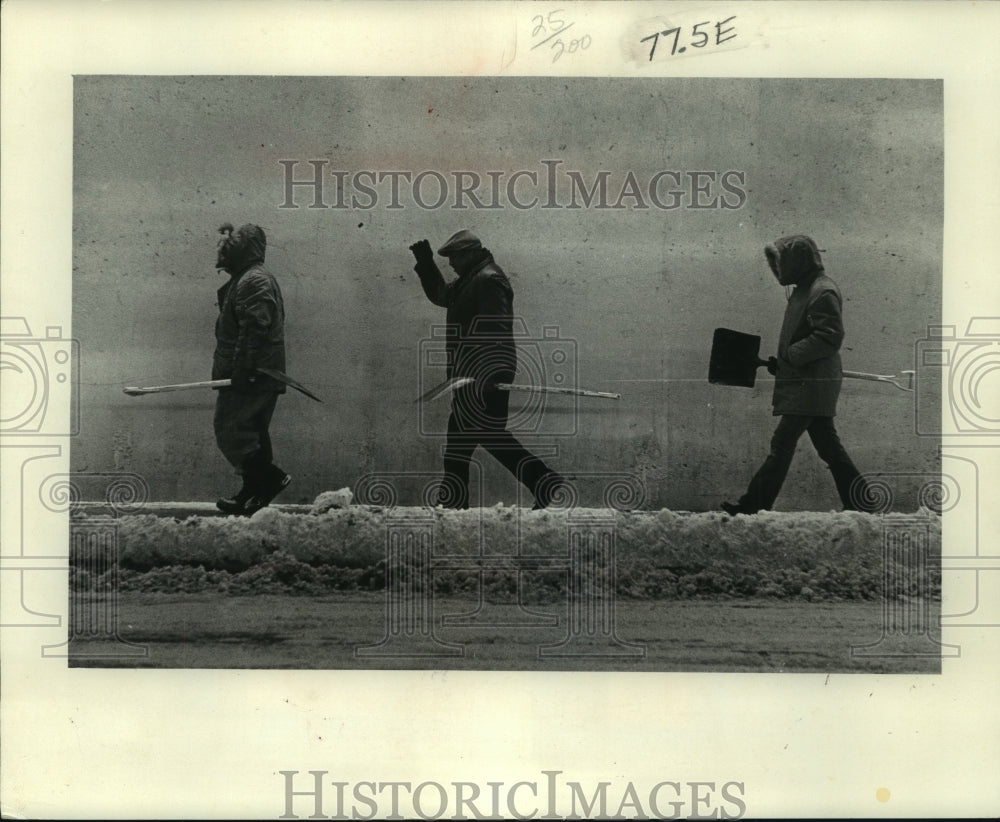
735, 358
446, 387
280, 376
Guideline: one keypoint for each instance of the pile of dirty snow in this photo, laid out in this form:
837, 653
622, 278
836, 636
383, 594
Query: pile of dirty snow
340, 546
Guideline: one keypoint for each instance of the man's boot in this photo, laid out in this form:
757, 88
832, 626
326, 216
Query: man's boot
266, 482
233, 505
734, 508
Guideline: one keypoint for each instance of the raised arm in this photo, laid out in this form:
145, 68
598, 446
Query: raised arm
430, 275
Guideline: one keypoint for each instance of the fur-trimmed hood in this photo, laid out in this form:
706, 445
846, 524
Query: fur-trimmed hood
794, 259
242, 249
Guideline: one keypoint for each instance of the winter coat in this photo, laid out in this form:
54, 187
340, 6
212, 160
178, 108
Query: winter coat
480, 337
250, 329
809, 374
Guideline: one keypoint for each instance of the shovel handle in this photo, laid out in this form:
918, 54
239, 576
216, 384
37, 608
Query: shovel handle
907, 376
134, 391
280, 376
890, 378
549, 389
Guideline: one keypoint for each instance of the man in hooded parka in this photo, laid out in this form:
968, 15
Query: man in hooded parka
807, 375
250, 334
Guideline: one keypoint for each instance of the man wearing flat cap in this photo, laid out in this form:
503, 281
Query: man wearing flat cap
480, 345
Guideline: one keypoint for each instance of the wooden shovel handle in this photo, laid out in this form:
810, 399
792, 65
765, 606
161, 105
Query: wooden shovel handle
134, 391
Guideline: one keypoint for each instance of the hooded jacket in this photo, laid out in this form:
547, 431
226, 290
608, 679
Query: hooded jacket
480, 339
250, 329
809, 373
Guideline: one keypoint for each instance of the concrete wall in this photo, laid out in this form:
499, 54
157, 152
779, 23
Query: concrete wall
160, 162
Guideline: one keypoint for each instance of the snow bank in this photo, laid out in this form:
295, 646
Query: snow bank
329, 500
352, 537
657, 553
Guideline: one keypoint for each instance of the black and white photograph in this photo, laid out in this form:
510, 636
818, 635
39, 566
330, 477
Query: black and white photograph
507, 393
478, 410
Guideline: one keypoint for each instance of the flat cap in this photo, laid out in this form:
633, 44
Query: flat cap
464, 240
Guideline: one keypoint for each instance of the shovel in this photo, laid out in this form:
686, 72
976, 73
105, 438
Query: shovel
735, 359
450, 385
280, 376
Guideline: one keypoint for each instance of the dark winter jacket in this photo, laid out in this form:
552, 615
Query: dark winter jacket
480, 303
809, 374
250, 329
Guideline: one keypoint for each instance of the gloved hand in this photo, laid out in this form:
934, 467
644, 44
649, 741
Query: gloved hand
422, 251
243, 379
772, 366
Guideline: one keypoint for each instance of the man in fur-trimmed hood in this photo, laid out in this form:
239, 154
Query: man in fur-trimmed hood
249, 334
807, 378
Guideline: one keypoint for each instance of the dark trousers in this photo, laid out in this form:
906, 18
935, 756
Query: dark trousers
766, 483
241, 427
480, 419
